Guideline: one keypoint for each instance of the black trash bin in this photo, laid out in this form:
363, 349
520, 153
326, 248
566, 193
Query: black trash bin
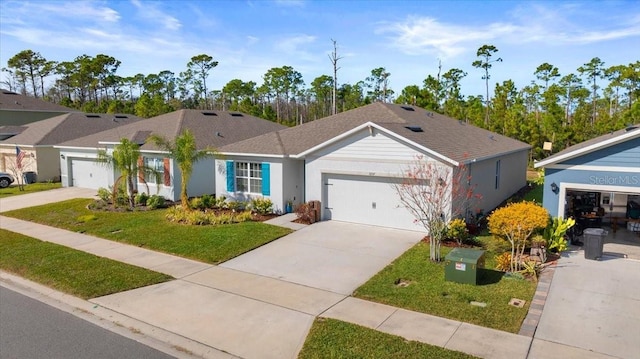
29, 177
593, 242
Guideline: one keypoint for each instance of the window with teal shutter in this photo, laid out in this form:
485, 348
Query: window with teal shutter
266, 179
231, 177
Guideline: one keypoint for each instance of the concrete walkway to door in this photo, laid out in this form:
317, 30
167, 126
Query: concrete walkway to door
332, 256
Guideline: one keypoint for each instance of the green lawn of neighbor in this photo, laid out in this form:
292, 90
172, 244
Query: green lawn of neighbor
334, 339
68, 270
150, 229
28, 188
428, 292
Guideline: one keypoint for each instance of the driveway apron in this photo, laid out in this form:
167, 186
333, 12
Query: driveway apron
332, 256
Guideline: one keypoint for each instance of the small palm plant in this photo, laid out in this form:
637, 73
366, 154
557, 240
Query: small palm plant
124, 159
185, 152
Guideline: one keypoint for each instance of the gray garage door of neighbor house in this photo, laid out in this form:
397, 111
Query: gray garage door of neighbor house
366, 200
87, 173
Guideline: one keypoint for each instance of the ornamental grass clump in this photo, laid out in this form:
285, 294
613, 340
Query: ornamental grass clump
516, 223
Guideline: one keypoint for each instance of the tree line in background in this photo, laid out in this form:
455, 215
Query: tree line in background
564, 109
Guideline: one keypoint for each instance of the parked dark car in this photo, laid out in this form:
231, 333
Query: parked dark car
5, 179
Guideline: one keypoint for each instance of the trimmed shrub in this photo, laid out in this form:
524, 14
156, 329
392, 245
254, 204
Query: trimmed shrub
236, 205
155, 201
104, 194
219, 202
208, 201
196, 203
457, 229
262, 205
141, 198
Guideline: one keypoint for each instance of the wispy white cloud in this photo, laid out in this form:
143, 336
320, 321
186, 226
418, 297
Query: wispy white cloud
531, 24
293, 46
78, 10
152, 12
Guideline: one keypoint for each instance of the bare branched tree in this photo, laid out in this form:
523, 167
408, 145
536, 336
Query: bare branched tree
334, 61
435, 193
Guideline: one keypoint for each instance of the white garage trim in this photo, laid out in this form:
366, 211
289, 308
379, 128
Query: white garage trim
368, 200
88, 173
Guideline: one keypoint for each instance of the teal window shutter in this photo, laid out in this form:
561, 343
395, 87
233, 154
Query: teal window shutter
231, 177
266, 179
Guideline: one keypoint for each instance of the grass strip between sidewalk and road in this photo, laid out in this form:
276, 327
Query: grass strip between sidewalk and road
28, 188
68, 270
330, 338
150, 229
424, 290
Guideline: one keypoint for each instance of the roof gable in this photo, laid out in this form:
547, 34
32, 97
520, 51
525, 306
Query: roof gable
594, 144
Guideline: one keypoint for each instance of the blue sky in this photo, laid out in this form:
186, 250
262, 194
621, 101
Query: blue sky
250, 37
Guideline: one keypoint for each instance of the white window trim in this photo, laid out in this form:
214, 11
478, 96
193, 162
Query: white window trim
250, 180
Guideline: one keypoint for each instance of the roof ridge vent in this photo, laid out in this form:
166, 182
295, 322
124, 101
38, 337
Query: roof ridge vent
121, 116
207, 113
408, 108
236, 114
9, 93
91, 115
414, 128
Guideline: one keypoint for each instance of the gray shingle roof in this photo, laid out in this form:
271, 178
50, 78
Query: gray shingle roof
210, 129
13, 101
592, 142
61, 128
451, 138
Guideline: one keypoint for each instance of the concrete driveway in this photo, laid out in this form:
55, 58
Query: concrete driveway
332, 256
44, 197
593, 309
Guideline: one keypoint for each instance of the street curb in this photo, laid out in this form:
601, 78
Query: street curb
151, 336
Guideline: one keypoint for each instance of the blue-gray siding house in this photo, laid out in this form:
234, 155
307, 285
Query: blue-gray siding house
600, 176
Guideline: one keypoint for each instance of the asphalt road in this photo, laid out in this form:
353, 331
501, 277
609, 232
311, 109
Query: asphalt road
30, 329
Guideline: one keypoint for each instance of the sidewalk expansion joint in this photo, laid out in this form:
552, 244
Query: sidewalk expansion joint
387, 318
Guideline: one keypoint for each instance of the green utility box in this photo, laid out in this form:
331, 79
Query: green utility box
462, 264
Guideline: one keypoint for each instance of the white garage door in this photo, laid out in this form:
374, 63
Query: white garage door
89, 174
366, 200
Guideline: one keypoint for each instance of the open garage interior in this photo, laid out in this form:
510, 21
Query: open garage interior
366, 200
616, 212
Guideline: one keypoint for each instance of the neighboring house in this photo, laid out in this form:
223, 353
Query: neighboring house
18, 110
211, 129
597, 178
350, 161
37, 139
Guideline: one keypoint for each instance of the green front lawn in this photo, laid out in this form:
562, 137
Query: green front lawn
68, 270
428, 292
330, 338
28, 188
150, 229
